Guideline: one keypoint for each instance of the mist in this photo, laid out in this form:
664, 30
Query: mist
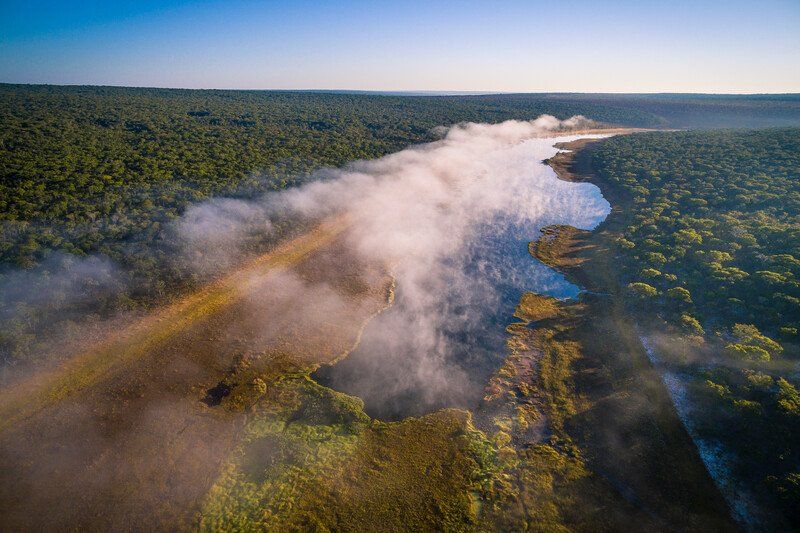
450, 222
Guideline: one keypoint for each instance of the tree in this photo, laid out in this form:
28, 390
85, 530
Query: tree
680, 294
688, 236
788, 398
751, 344
690, 325
642, 290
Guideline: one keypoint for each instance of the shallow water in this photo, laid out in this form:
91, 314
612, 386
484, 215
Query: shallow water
717, 459
411, 361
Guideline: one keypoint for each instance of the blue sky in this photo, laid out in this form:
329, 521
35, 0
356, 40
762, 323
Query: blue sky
525, 46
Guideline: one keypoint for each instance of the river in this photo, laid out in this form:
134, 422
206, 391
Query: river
445, 334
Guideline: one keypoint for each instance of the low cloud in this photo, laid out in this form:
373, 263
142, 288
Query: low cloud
449, 219
213, 234
439, 216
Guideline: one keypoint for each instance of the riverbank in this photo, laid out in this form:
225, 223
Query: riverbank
613, 405
528, 470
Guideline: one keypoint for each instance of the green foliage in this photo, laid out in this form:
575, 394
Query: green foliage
104, 172
759, 416
655, 258
624, 243
719, 218
690, 325
680, 294
311, 459
788, 398
719, 390
747, 352
642, 290
688, 236
751, 344
651, 273
695, 111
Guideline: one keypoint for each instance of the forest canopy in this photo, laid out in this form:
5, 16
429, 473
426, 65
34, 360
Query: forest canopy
708, 248
712, 230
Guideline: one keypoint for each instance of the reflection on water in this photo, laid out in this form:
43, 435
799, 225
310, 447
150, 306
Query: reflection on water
397, 368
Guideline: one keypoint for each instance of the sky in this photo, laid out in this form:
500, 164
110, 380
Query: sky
711, 46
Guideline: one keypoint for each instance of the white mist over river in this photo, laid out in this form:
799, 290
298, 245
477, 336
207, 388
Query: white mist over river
453, 219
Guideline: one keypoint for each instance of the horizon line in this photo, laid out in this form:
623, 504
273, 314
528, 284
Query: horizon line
400, 92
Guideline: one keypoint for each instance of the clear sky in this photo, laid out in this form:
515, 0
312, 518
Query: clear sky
492, 45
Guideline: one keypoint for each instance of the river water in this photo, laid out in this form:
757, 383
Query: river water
439, 349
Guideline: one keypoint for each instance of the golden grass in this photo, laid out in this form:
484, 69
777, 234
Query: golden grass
311, 459
534, 307
30, 396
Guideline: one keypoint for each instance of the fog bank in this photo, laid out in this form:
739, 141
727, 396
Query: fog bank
451, 221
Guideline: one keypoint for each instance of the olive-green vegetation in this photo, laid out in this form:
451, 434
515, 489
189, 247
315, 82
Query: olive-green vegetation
102, 173
590, 378
709, 247
701, 110
85, 168
311, 459
713, 230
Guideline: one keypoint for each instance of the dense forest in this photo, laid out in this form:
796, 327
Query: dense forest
709, 248
92, 177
